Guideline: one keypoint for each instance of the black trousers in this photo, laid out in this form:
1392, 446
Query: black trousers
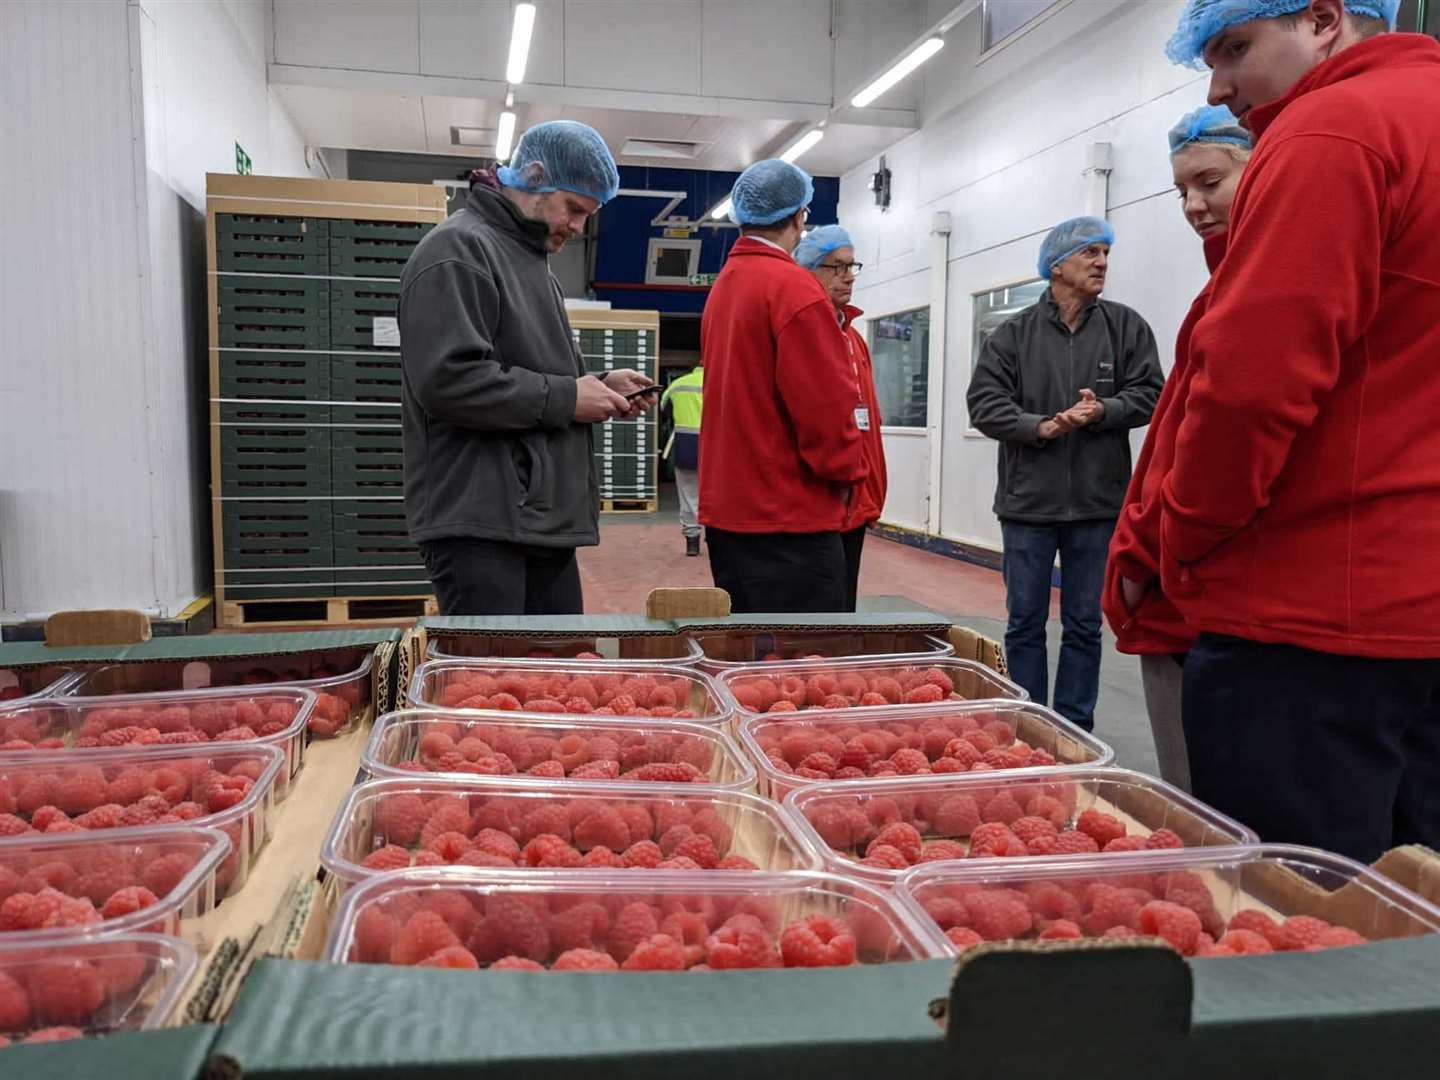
488, 577
854, 543
1339, 752
779, 572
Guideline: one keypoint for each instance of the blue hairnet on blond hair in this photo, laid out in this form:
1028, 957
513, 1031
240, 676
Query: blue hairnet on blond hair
1069, 237
1203, 19
770, 191
573, 157
818, 243
1208, 124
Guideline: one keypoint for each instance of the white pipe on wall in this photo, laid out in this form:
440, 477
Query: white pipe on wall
1099, 161
935, 388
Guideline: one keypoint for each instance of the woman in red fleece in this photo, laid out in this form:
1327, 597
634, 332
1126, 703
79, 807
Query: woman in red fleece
1208, 151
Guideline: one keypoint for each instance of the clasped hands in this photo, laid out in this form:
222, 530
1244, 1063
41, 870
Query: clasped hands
1088, 410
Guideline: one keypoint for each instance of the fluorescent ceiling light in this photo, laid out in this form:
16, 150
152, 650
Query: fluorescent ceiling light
504, 136
721, 210
802, 144
906, 64
520, 32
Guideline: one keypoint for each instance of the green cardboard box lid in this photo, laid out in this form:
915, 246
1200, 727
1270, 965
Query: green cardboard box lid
196, 647
931, 622
165, 1054
548, 625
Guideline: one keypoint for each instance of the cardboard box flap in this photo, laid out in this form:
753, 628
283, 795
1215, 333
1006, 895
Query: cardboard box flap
547, 626
915, 621
296, 1018
166, 1054
197, 647
24, 654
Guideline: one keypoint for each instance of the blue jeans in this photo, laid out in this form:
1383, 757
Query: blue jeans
1030, 552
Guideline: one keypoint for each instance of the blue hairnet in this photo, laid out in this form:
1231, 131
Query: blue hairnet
1208, 124
1069, 237
818, 243
770, 191
1203, 19
574, 156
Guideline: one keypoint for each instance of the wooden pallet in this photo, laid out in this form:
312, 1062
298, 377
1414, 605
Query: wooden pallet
325, 611
629, 506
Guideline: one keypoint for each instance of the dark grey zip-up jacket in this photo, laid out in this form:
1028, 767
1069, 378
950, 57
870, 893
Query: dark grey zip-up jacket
1033, 367
488, 387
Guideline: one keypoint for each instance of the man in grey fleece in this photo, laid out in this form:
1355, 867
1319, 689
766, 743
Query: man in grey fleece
1060, 385
500, 483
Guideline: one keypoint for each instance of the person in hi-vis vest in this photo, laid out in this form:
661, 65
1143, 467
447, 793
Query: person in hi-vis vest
684, 397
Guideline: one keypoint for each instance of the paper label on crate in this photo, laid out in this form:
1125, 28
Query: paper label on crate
385, 332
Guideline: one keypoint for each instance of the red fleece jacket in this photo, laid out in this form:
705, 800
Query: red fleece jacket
779, 450
1156, 626
869, 499
1304, 501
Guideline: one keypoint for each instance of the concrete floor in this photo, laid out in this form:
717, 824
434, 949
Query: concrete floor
640, 552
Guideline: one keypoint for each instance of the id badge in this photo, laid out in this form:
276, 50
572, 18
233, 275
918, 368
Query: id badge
862, 417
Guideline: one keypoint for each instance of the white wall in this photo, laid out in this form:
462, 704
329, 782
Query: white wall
1002, 148
103, 479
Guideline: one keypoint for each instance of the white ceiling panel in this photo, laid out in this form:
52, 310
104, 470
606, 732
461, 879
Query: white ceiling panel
868, 39
353, 119
440, 114
643, 45
547, 44
378, 35
769, 50
465, 38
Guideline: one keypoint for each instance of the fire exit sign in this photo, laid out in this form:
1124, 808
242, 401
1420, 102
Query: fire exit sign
243, 166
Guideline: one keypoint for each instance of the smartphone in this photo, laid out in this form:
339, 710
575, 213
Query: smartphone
651, 389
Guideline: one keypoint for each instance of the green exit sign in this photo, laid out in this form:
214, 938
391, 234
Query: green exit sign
243, 165
703, 279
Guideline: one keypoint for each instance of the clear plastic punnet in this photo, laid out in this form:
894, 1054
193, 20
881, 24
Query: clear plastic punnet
878, 829
555, 751
726, 650
230, 787
878, 682
542, 650
91, 728
160, 879
506, 824
898, 743
19, 684
575, 920
339, 678
676, 693
90, 985
1205, 902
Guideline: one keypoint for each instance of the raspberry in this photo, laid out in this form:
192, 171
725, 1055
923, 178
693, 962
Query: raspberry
1119, 932
910, 762
1100, 827
64, 991
936, 850
995, 839
962, 937
582, 926
549, 850
819, 762
1338, 937
634, 924
646, 854
604, 827
399, 818
1245, 943
14, 1004
1178, 925
163, 875
1051, 903
900, 836
449, 845
552, 770
512, 925
885, 857
701, 849
389, 857
1125, 843
1002, 808
1163, 838
597, 770
1071, 842
956, 815
660, 952
375, 933
46, 816
674, 772
1258, 921
453, 956
424, 934
10, 825
546, 818
818, 941
1061, 930
1111, 907
583, 960
515, 963
1298, 933
925, 694
128, 901
741, 943
999, 915
1032, 829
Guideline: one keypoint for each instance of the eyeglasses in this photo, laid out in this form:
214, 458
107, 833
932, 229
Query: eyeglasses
849, 269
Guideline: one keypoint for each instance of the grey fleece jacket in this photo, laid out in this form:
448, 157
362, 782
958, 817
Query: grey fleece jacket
492, 450
1032, 367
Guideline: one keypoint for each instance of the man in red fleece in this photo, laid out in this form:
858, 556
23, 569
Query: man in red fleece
780, 449
1301, 517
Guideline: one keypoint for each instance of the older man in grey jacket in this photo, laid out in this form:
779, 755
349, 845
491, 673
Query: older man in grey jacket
500, 484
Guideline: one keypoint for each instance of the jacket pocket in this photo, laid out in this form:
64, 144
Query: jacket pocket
529, 457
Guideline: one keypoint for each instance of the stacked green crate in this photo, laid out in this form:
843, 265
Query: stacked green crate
309, 384
625, 450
